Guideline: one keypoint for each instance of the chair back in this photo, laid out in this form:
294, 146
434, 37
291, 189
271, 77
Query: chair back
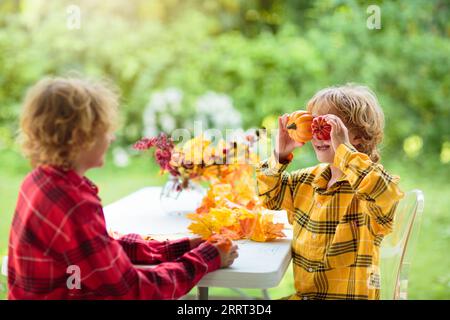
397, 248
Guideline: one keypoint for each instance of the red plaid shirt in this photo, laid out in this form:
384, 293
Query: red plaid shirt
59, 232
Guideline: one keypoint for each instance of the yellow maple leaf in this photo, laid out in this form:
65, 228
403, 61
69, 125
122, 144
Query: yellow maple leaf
232, 207
202, 225
201, 229
258, 230
222, 217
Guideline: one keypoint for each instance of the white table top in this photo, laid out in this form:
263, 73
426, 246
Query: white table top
259, 265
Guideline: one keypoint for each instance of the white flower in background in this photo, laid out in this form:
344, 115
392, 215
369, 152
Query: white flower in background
157, 102
120, 157
160, 111
149, 119
167, 122
217, 111
214, 110
166, 100
174, 98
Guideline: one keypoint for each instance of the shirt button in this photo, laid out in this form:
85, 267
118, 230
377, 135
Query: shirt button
310, 270
319, 205
314, 236
305, 298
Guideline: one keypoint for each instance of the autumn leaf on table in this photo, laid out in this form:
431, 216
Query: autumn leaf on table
232, 232
246, 227
223, 217
262, 228
221, 190
258, 230
246, 194
218, 195
272, 230
202, 225
210, 223
231, 207
224, 212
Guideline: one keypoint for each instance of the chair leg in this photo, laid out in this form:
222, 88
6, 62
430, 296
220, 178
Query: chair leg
242, 293
265, 294
403, 294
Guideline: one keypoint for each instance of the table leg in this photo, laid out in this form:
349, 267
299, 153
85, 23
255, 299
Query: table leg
265, 293
202, 293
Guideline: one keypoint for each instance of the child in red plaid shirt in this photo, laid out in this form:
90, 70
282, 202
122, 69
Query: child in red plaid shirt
59, 229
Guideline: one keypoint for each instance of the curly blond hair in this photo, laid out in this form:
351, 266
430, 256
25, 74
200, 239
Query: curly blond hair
62, 116
360, 111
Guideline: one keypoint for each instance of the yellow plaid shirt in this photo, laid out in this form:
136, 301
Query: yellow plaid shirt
337, 231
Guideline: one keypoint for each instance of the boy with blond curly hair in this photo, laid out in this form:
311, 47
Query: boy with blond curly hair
67, 125
340, 209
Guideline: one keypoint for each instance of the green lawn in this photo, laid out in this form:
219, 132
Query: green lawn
430, 274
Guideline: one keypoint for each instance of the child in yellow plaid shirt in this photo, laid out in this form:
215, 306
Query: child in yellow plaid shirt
340, 209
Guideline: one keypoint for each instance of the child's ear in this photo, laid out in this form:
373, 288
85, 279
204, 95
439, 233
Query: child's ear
356, 140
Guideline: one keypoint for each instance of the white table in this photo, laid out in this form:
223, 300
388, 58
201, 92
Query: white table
259, 265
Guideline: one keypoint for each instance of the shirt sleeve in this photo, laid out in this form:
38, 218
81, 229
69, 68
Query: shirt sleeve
106, 272
141, 251
378, 189
274, 186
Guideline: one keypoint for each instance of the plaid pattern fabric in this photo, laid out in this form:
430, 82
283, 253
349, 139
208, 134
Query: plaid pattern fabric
59, 225
337, 230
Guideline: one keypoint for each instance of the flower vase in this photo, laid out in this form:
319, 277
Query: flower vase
181, 196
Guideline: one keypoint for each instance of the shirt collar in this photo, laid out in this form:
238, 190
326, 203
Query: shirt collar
73, 177
323, 176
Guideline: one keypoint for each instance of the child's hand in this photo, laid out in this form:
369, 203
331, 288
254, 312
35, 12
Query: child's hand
227, 257
339, 132
284, 145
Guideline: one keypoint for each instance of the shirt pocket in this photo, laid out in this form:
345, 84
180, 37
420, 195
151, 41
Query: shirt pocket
343, 248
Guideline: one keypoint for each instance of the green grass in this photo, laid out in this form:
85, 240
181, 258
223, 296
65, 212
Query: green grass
430, 273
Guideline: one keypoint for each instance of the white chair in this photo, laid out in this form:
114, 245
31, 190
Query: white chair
397, 248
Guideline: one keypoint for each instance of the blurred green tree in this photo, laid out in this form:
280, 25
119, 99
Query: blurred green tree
270, 56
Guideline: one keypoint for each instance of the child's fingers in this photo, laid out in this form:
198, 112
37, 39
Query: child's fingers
339, 120
339, 124
280, 123
284, 120
330, 118
331, 121
335, 128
